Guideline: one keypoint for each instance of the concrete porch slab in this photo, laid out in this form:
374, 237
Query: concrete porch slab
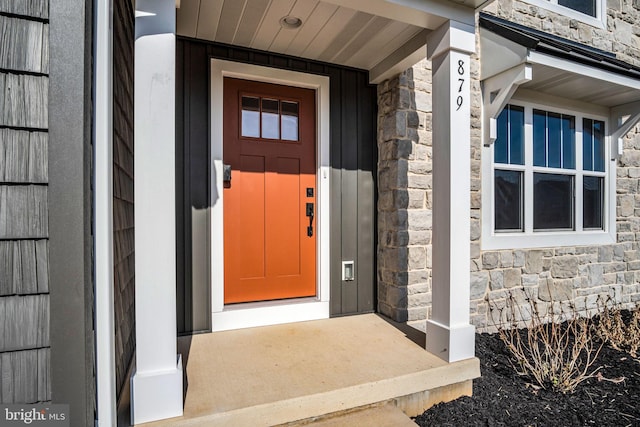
285, 373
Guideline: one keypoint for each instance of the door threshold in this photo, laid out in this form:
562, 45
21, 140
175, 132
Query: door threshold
264, 313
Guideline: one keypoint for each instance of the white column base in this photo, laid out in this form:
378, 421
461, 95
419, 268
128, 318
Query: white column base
156, 395
451, 343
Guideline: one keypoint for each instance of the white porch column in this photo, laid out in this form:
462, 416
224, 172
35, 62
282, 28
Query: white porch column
449, 333
156, 385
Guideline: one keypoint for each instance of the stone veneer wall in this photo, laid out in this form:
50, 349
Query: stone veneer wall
574, 275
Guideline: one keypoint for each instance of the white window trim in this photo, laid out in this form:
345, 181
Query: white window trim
237, 316
492, 240
599, 21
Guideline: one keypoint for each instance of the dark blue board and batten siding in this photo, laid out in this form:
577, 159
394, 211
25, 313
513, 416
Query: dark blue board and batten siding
24, 176
353, 191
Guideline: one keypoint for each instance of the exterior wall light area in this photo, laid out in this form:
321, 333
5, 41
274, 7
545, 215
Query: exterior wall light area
290, 22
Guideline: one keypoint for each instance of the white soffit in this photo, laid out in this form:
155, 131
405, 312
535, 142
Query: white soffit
561, 78
376, 35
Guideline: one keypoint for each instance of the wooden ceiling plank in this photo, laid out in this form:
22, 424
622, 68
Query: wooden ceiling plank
250, 21
229, 19
302, 9
187, 18
270, 25
208, 19
362, 41
326, 36
310, 29
349, 31
383, 44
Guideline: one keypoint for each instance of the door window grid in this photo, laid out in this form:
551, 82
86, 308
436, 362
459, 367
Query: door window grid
544, 187
269, 118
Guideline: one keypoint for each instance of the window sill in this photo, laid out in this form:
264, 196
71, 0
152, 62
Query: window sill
496, 241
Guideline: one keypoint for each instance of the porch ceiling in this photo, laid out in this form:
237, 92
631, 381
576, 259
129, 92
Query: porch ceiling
382, 36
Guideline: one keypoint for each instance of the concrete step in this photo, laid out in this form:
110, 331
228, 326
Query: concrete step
311, 370
380, 416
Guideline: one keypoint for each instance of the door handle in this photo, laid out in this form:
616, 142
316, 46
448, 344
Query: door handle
226, 173
310, 215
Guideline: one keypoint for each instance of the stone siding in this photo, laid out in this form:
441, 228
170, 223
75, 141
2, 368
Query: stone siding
579, 277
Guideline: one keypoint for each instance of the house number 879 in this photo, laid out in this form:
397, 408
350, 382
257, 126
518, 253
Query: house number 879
460, 99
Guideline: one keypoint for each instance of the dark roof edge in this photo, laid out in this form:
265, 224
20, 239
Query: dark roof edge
491, 22
557, 46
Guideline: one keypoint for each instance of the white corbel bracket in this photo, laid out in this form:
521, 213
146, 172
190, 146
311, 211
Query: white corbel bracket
623, 119
496, 93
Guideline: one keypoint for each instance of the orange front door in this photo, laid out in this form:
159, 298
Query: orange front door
269, 229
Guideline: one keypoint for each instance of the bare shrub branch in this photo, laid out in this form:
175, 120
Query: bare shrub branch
556, 349
611, 327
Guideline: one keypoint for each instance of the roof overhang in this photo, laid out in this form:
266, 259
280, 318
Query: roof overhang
384, 37
518, 60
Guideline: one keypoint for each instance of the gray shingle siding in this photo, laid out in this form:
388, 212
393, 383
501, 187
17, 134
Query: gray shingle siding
29, 8
24, 247
123, 203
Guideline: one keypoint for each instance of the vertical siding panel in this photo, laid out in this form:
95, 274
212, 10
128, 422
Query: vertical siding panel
198, 187
366, 195
335, 101
349, 189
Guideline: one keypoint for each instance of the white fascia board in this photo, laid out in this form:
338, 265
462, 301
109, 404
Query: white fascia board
402, 58
585, 70
443, 8
504, 54
426, 14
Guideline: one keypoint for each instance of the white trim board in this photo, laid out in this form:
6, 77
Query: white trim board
268, 313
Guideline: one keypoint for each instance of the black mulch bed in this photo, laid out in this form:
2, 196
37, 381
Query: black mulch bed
502, 398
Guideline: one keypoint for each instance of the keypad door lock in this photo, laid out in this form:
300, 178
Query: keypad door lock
310, 215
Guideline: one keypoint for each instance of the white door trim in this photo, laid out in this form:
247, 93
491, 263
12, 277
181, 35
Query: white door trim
247, 315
